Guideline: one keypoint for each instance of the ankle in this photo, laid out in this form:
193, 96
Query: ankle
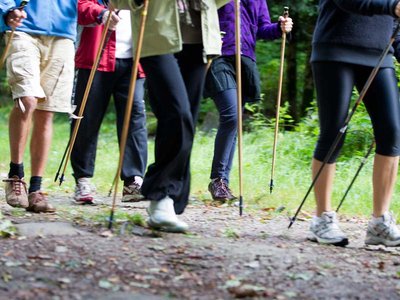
16, 170
35, 184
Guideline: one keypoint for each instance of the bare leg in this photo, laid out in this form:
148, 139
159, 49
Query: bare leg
323, 186
384, 179
41, 140
19, 126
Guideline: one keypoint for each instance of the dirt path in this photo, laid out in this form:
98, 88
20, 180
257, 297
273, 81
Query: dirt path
223, 257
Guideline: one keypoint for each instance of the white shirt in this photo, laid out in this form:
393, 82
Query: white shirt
124, 35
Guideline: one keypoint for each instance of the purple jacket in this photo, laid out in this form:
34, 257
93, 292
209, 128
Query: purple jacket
255, 24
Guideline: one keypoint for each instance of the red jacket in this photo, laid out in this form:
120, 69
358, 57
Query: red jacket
88, 12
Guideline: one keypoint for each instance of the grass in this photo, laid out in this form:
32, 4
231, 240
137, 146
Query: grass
292, 173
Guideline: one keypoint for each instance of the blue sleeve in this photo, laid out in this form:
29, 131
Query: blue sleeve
5, 6
368, 7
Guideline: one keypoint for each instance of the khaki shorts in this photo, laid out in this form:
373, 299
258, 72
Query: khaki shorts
42, 67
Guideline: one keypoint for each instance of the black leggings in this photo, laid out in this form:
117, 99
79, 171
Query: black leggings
334, 84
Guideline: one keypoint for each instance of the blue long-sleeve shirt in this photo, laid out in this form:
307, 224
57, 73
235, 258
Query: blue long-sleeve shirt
45, 17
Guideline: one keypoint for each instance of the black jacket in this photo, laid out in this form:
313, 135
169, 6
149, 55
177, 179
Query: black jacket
354, 31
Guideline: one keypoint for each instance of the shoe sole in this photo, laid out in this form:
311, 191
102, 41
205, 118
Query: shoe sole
340, 243
165, 227
19, 205
38, 211
380, 241
84, 201
137, 198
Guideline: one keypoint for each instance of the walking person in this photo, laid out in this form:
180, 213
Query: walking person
348, 40
221, 82
179, 37
112, 79
40, 70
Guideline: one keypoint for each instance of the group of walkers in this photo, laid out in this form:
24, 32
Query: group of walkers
180, 37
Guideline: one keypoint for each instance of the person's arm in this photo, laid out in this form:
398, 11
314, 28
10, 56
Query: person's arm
92, 14
89, 12
370, 7
267, 30
5, 7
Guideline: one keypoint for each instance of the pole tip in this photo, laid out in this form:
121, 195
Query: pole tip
111, 220
271, 186
292, 220
61, 179
241, 205
55, 178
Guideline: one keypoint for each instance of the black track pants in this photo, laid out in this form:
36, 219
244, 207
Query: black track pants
334, 84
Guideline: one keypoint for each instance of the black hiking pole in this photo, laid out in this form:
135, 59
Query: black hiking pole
74, 133
278, 102
364, 160
342, 131
7, 47
128, 108
239, 100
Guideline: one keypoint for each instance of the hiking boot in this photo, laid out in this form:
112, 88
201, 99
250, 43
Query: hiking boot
84, 191
162, 216
383, 231
220, 191
325, 230
38, 203
16, 193
132, 192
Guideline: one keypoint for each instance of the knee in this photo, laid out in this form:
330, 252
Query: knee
389, 143
229, 120
27, 105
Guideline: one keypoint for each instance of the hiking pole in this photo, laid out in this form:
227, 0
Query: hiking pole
8, 45
239, 99
128, 108
72, 139
342, 131
108, 36
278, 102
355, 176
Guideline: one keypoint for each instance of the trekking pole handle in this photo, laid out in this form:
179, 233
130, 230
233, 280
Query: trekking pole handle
286, 11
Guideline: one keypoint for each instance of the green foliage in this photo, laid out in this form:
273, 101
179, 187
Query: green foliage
7, 229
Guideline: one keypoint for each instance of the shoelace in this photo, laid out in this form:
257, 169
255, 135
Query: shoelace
17, 185
221, 187
85, 188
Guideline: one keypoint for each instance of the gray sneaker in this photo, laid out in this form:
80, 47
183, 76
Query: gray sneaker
383, 231
325, 230
132, 191
16, 193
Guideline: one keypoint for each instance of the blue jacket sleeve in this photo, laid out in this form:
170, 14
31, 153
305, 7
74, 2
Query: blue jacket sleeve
5, 6
368, 7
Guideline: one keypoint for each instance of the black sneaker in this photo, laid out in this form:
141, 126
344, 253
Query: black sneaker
220, 191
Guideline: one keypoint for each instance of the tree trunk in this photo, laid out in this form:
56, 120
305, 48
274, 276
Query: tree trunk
308, 90
291, 77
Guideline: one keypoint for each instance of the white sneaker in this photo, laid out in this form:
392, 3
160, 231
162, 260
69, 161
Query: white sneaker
84, 191
325, 230
383, 231
162, 216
